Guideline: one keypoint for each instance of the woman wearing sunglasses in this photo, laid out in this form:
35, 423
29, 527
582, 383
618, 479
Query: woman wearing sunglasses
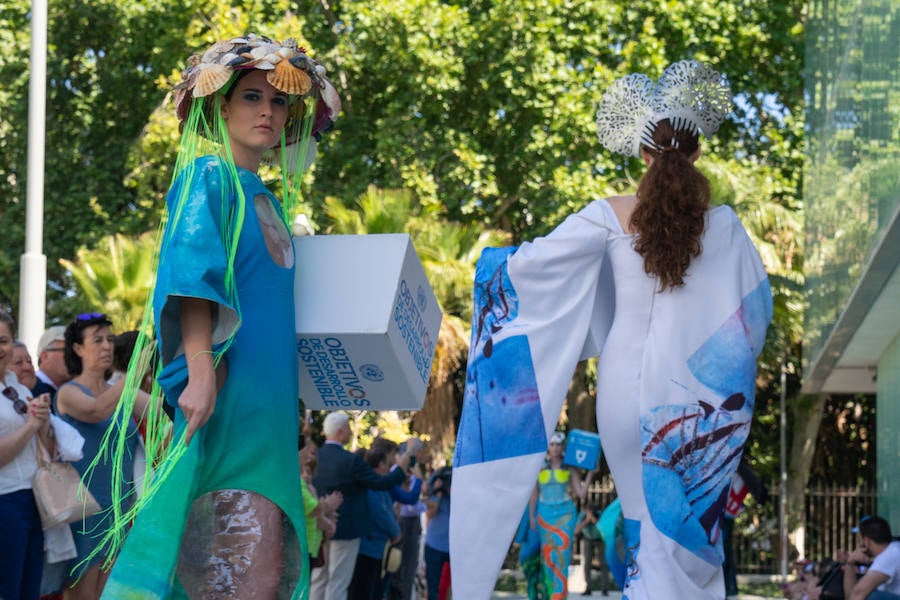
22, 419
88, 403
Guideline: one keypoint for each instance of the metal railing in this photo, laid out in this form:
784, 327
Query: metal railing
831, 513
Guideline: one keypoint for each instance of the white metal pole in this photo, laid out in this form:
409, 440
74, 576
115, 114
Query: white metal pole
782, 505
33, 263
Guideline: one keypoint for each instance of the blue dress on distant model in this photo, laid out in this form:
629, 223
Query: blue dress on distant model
250, 442
556, 526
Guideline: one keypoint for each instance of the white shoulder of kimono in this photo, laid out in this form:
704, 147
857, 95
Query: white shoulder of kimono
723, 221
581, 236
726, 233
599, 213
568, 267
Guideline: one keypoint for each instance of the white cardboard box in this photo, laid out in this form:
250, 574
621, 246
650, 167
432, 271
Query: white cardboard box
367, 322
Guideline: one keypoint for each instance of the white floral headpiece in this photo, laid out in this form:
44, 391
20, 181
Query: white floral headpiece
690, 94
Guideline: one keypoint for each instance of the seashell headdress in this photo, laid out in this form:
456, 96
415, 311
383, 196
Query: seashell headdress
289, 69
692, 95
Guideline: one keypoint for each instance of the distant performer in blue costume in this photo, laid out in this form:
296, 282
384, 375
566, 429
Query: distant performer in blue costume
552, 512
671, 293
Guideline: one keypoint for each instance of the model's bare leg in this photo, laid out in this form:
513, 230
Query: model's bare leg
247, 553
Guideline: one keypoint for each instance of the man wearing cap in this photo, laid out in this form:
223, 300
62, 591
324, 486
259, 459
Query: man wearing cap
52, 371
881, 554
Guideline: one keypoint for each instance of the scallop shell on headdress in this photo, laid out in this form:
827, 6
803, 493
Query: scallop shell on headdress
211, 79
213, 53
289, 79
624, 112
331, 100
188, 79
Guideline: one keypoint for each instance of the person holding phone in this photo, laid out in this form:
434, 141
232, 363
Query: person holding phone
873, 568
410, 508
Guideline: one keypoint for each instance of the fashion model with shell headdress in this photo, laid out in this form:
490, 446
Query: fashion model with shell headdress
669, 291
223, 517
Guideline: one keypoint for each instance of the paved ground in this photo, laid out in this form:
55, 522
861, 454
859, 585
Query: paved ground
572, 595
612, 596
576, 587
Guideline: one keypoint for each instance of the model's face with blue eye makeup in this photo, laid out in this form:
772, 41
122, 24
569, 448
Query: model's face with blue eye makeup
255, 115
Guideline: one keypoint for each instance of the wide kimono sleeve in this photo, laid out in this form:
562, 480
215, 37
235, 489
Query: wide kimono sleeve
194, 263
537, 310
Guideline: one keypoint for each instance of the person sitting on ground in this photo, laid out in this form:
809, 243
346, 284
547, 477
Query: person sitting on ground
805, 584
880, 553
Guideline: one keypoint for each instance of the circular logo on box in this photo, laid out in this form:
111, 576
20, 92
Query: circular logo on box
371, 372
421, 298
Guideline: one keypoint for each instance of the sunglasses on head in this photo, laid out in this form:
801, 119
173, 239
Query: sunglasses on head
90, 316
18, 404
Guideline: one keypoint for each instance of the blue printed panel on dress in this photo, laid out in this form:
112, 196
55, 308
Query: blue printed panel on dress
726, 362
688, 461
501, 415
690, 452
632, 533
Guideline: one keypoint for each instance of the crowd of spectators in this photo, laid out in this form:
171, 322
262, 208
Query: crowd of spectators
871, 571
73, 393
374, 548
366, 511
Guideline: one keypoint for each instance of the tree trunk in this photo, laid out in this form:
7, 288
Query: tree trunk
580, 408
807, 416
437, 419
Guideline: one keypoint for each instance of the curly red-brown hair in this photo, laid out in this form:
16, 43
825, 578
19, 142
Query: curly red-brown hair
673, 197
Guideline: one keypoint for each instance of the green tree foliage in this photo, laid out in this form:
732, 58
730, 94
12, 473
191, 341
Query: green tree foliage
109, 63
481, 111
117, 277
102, 60
488, 106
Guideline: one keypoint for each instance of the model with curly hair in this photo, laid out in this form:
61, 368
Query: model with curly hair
669, 291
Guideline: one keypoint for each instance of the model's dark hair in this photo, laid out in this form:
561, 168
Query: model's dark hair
232, 85
673, 198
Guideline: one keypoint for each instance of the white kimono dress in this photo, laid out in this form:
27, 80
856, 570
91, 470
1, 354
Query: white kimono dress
675, 392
